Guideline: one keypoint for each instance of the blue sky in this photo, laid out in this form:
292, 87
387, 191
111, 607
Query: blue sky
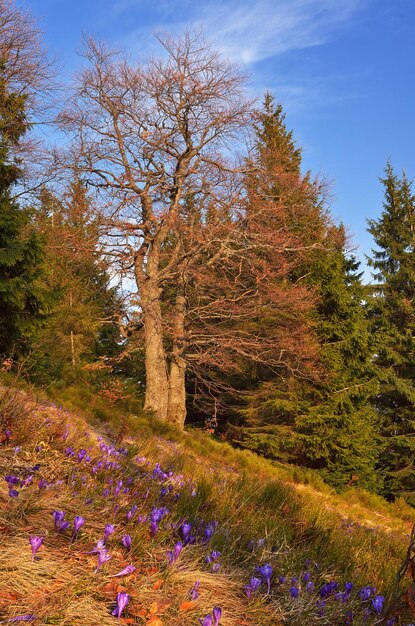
343, 70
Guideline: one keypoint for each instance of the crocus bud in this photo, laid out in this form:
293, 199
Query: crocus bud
78, 523
122, 601
217, 614
35, 542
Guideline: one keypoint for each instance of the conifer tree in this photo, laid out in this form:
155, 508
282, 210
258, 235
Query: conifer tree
393, 325
23, 299
82, 326
326, 424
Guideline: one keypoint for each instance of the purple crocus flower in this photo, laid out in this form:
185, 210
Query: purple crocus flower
109, 529
210, 529
118, 488
7, 435
195, 590
122, 601
206, 621
266, 572
12, 480
377, 604
13, 493
125, 572
173, 555
23, 618
309, 586
217, 614
294, 592
58, 518
215, 567
185, 530
126, 541
35, 542
327, 588
255, 583
78, 523
158, 514
215, 554
366, 592
103, 557
153, 528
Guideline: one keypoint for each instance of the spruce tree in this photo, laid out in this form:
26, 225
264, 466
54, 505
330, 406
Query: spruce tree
82, 326
327, 423
23, 299
393, 323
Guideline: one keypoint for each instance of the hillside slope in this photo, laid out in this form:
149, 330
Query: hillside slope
208, 534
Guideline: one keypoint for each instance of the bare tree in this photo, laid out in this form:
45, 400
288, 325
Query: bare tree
150, 137
26, 85
156, 140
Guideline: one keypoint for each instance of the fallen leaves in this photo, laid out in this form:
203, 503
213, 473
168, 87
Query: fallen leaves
188, 605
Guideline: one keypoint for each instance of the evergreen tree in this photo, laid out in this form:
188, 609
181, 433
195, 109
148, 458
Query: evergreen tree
82, 326
393, 324
326, 424
337, 426
23, 299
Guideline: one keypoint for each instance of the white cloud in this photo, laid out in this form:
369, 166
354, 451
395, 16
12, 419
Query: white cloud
246, 31
251, 32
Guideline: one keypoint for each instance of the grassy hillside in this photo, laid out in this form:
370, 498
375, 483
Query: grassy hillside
209, 526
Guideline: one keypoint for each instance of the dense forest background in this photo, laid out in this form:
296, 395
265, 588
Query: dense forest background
171, 255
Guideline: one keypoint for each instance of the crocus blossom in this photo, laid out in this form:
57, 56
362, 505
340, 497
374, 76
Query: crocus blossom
124, 572
195, 590
23, 618
78, 523
217, 614
12, 480
253, 585
206, 621
122, 601
58, 518
109, 529
173, 555
366, 592
377, 604
126, 541
103, 557
266, 572
185, 530
35, 542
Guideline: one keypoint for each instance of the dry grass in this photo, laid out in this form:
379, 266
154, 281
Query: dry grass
249, 497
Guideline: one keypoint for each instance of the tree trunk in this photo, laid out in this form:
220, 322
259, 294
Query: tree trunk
177, 379
157, 388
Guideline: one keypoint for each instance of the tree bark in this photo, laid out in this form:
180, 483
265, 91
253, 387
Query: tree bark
177, 379
157, 387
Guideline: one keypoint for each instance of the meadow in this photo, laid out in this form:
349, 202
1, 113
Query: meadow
139, 523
